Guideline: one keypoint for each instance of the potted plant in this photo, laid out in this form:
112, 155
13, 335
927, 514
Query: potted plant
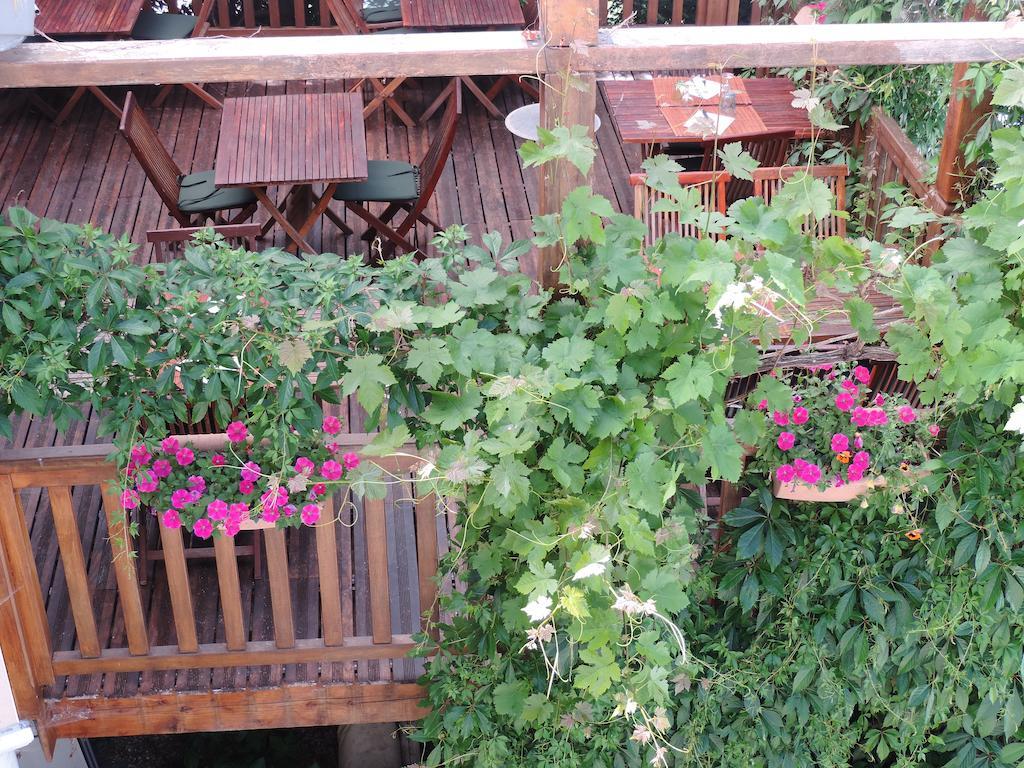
17, 21
836, 444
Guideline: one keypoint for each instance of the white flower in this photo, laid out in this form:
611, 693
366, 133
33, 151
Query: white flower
538, 608
804, 99
641, 734
624, 705
1016, 422
595, 568
890, 261
535, 636
631, 605
213, 309
659, 757
426, 470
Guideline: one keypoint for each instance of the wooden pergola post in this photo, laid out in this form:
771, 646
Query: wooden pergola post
568, 28
962, 121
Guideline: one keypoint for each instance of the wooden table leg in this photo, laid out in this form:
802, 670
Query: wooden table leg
441, 98
385, 96
294, 235
482, 97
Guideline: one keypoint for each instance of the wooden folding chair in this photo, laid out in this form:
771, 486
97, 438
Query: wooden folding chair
353, 21
176, 26
769, 149
710, 184
768, 181
402, 186
190, 198
167, 243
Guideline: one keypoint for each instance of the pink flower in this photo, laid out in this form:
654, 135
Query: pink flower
331, 469
351, 460
274, 498
197, 483
310, 514
203, 528
854, 473
237, 432
218, 460
877, 417
130, 469
289, 510
800, 465
246, 486
933, 430
763, 405
332, 425
169, 445
786, 440
785, 472
319, 489
304, 466
129, 498
844, 401
171, 519
797, 399
800, 415
832, 376
333, 447
217, 509
906, 414
780, 418
840, 443
250, 471
861, 459
849, 386
837, 481
180, 498
146, 482
858, 442
184, 457
161, 468
140, 455
811, 474
860, 417
879, 400
238, 510
231, 527
862, 374
270, 515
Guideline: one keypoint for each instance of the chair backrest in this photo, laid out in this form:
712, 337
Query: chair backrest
167, 243
349, 16
274, 17
437, 154
769, 149
768, 181
156, 161
710, 184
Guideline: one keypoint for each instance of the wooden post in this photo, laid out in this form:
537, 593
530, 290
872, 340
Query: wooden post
567, 97
962, 121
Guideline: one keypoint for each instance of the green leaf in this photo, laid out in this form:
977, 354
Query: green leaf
722, 453
737, 161
451, 411
569, 143
428, 356
748, 426
862, 318
1010, 91
366, 377
509, 698
689, 378
293, 354
387, 442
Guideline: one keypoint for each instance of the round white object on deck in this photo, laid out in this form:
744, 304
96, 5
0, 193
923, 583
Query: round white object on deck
523, 122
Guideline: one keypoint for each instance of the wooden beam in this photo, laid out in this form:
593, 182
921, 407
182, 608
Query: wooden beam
217, 655
288, 706
503, 52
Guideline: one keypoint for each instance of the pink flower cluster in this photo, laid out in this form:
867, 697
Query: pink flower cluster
202, 503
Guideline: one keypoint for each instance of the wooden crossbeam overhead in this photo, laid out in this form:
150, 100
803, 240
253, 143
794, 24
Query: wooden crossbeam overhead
481, 53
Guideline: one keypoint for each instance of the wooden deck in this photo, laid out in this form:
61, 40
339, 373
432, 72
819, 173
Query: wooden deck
82, 171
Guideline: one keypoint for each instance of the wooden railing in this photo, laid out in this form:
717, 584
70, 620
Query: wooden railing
890, 157
706, 12
25, 633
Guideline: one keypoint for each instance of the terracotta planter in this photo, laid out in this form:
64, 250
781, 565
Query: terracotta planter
800, 491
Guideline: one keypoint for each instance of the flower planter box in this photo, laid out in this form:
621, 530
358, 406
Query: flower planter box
800, 491
17, 21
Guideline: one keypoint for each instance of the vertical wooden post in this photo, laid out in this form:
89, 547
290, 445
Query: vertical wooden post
962, 121
567, 97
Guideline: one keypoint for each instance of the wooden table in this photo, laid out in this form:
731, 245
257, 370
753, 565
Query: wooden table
639, 120
465, 14
88, 19
292, 141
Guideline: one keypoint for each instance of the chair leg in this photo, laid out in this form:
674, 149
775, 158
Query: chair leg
161, 97
76, 96
203, 94
395, 238
386, 216
338, 222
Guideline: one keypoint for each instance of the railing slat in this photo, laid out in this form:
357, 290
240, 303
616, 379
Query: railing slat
124, 570
426, 557
70, 542
20, 670
181, 593
28, 594
330, 579
230, 592
377, 562
280, 591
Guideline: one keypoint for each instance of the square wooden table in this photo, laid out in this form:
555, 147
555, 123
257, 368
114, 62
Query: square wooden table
640, 118
88, 18
292, 141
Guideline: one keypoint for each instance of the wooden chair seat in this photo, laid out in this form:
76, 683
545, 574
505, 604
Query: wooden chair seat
382, 12
710, 184
769, 149
768, 181
198, 194
389, 181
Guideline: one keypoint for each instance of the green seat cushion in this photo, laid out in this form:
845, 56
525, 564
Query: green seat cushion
163, 26
199, 195
389, 181
382, 14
